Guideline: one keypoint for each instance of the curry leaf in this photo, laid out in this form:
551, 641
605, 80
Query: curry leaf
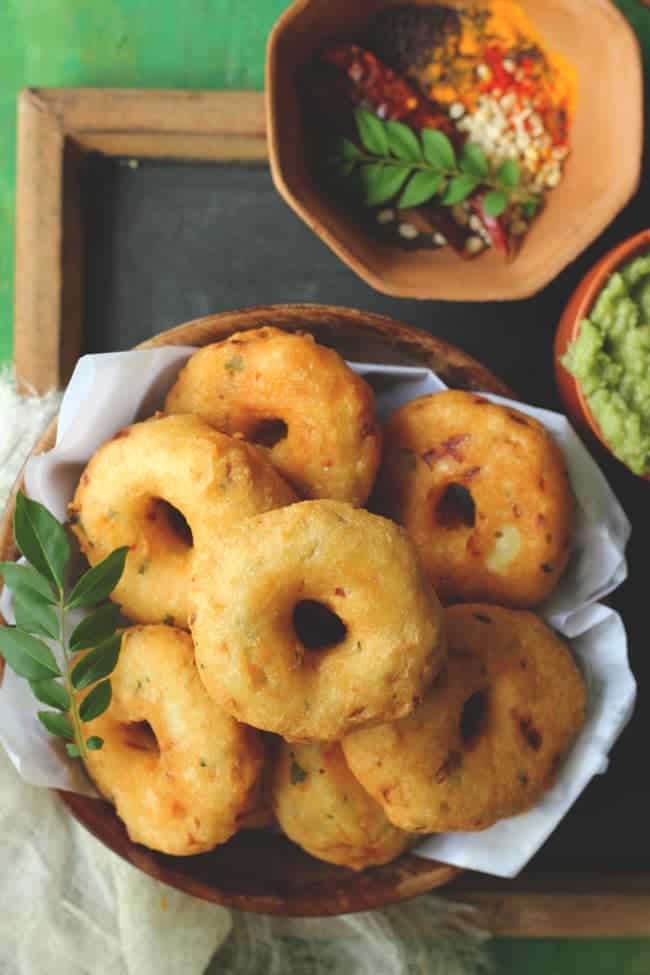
473, 161
438, 150
494, 203
27, 656
57, 724
346, 149
41, 539
96, 628
39, 608
420, 188
392, 158
459, 188
96, 701
508, 173
530, 207
382, 182
402, 141
21, 578
34, 614
51, 692
97, 663
371, 132
99, 582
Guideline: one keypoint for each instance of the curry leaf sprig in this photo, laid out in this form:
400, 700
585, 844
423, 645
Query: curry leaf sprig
392, 160
41, 606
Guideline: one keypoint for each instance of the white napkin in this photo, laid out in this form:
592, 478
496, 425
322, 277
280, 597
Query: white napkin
107, 392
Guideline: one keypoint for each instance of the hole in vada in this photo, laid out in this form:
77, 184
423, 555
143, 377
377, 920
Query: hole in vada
456, 507
140, 736
173, 519
474, 718
268, 433
316, 626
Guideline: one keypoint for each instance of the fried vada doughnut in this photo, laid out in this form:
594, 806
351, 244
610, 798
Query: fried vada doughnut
321, 807
162, 487
489, 737
177, 767
316, 620
484, 493
298, 399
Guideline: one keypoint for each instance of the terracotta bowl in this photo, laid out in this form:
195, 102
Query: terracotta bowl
579, 306
260, 871
600, 177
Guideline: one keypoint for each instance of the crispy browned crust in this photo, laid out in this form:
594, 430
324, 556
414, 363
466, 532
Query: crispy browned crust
488, 739
483, 490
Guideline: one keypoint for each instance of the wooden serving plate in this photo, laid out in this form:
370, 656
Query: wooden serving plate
260, 871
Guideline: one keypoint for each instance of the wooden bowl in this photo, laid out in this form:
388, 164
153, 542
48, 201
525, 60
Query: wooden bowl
579, 307
600, 177
259, 871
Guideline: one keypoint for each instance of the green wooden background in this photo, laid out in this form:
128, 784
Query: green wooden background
204, 44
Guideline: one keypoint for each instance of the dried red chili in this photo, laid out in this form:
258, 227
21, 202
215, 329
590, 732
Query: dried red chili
493, 225
381, 90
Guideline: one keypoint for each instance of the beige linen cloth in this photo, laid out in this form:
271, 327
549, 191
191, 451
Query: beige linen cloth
68, 906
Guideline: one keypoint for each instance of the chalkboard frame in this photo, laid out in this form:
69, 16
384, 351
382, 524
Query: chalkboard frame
57, 128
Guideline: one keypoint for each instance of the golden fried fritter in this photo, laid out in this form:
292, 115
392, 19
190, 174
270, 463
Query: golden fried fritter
163, 487
316, 619
322, 808
484, 493
302, 401
177, 767
490, 735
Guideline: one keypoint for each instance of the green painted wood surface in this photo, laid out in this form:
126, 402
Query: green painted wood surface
121, 43
205, 44
567, 956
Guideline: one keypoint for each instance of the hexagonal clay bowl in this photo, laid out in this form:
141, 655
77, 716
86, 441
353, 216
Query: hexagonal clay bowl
601, 174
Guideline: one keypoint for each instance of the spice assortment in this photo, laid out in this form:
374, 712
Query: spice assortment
443, 124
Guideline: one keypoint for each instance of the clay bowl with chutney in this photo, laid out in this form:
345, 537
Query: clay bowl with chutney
598, 178
578, 308
257, 870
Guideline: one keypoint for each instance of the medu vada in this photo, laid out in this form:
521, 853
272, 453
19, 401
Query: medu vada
489, 737
178, 768
317, 619
162, 487
484, 493
321, 807
298, 399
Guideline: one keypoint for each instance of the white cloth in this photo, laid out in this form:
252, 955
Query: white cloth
68, 906
22, 420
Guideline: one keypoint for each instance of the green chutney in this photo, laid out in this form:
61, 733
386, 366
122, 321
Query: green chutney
610, 358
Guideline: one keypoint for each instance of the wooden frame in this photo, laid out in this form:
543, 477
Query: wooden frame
56, 128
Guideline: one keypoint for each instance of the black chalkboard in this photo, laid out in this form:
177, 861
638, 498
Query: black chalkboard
169, 242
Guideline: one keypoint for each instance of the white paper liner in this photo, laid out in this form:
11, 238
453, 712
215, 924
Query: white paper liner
107, 392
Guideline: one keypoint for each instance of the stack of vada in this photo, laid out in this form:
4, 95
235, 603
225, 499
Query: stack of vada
287, 655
